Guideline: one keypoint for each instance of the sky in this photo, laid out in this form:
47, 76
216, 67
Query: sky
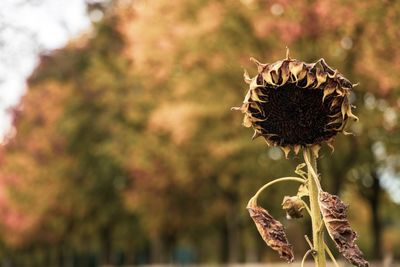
28, 28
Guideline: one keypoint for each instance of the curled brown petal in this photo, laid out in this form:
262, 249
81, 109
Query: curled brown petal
293, 207
334, 213
272, 231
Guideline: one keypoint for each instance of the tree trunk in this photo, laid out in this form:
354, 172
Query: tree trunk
156, 250
105, 235
233, 238
376, 223
224, 243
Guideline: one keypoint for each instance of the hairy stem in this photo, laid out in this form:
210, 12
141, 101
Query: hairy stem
316, 220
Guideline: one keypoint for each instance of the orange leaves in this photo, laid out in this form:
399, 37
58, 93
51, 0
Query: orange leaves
31, 174
176, 119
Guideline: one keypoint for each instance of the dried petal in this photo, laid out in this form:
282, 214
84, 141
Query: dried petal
296, 68
285, 72
246, 121
286, 150
315, 150
328, 91
246, 77
247, 97
321, 77
255, 119
275, 77
331, 72
334, 213
302, 191
346, 110
256, 106
335, 121
268, 142
236, 108
310, 79
287, 53
340, 91
296, 149
254, 84
348, 133
255, 97
272, 231
351, 115
293, 207
260, 66
330, 143
256, 134
268, 78
277, 65
333, 75
345, 83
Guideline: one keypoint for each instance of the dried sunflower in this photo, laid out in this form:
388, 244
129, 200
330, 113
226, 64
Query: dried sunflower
293, 104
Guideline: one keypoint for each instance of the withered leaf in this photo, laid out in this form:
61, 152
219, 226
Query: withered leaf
272, 231
293, 207
334, 213
302, 191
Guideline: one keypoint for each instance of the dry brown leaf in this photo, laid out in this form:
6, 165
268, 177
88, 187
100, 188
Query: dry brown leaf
334, 213
293, 207
272, 231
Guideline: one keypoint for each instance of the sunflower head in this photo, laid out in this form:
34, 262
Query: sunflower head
293, 104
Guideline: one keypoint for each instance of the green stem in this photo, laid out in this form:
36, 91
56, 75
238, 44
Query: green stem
316, 220
331, 255
305, 257
307, 208
253, 200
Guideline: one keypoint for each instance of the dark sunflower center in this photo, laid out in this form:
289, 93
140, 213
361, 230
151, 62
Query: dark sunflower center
296, 115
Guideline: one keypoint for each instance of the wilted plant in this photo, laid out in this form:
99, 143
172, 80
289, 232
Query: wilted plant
299, 106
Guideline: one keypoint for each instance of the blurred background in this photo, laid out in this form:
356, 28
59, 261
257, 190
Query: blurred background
119, 146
